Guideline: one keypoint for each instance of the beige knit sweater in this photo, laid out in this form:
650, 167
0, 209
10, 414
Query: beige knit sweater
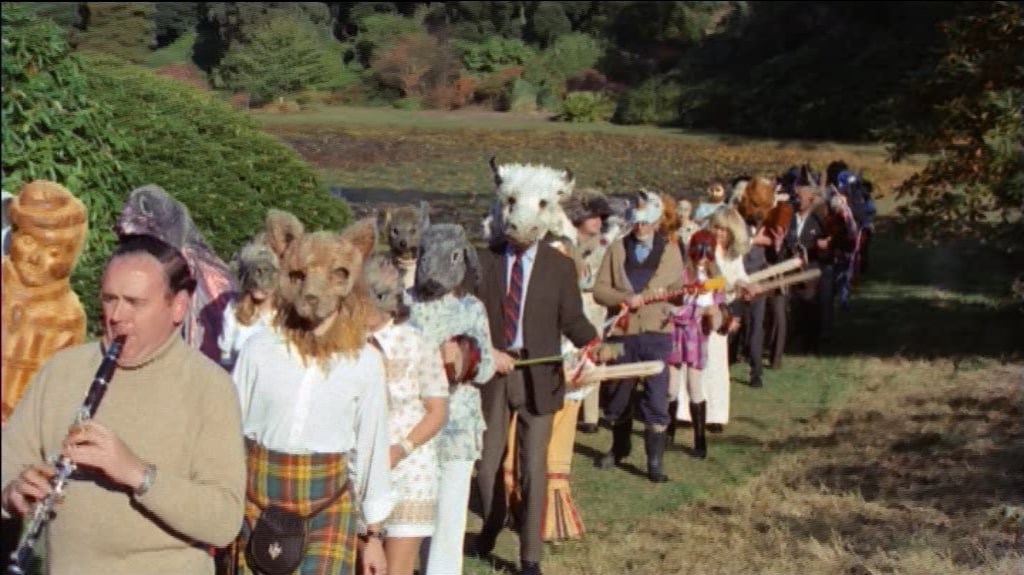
612, 287
177, 410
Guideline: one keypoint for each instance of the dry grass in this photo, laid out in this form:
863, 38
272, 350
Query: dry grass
920, 473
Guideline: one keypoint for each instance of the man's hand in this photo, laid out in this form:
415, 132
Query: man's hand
30, 486
92, 445
606, 352
635, 301
823, 243
503, 362
372, 557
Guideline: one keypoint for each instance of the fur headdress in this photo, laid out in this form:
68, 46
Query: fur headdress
587, 203
649, 208
670, 219
758, 197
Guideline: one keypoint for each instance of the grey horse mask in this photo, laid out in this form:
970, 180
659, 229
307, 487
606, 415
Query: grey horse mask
446, 261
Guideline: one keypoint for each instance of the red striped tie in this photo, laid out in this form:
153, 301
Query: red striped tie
513, 300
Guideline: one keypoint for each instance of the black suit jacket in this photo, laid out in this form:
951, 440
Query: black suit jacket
553, 307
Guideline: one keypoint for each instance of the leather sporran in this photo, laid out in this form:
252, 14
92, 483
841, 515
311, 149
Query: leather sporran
277, 543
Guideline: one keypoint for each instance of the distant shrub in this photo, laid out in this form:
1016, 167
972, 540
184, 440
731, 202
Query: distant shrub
521, 97
656, 101
493, 53
586, 107
177, 52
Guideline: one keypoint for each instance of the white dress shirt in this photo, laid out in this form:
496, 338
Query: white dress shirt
292, 408
528, 257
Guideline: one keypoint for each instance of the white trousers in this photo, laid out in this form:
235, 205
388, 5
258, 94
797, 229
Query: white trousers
445, 555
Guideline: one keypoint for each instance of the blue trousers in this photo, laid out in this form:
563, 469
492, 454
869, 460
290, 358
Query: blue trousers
616, 395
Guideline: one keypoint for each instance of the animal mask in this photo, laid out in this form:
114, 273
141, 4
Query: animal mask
258, 264
649, 208
670, 221
529, 198
151, 211
385, 285
48, 227
446, 261
702, 245
403, 229
321, 273
756, 200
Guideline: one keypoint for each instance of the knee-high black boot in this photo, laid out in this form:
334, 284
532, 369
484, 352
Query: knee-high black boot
670, 433
654, 445
622, 443
699, 413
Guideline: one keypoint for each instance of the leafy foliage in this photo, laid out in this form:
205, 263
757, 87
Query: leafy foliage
656, 101
586, 107
286, 55
174, 19
209, 156
964, 111
53, 129
414, 64
493, 53
122, 28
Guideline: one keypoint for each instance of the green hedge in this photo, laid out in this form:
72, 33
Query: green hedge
211, 157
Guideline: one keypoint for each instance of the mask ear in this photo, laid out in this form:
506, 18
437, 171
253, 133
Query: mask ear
424, 215
363, 235
471, 278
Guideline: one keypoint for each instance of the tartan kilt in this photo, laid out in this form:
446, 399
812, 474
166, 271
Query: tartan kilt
300, 483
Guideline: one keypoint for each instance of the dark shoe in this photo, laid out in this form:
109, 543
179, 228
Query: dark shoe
588, 428
714, 428
756, 381
485, 542
622, 443
530, 568
654, 444
699, 412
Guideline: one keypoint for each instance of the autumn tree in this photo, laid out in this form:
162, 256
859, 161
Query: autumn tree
123, 29
964, 113
415, 62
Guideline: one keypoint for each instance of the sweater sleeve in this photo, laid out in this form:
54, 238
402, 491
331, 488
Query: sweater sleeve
208, 505
21, 440
606, 293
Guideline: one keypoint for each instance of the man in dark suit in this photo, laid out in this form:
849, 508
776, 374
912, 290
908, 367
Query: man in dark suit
808, 237
532, 300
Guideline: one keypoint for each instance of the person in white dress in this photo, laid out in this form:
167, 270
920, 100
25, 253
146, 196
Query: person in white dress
732, 243
417, 391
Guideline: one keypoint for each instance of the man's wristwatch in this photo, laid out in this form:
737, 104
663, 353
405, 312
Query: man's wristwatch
147, 480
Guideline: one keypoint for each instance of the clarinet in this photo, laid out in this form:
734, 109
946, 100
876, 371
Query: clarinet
21, 558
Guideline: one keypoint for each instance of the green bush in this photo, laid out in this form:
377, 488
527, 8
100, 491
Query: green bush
53, 129
209, 156
409, 104
582, 107
287, 54
493, 53
177, 52
655, 101
521, 97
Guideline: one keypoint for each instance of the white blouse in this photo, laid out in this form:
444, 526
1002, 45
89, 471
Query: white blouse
300, 409
732, 270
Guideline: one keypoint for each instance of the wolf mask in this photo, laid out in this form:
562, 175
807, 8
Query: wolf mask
446, 261
403, 230
385, 285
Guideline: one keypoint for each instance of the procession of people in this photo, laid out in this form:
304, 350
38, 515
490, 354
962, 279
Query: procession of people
354, 401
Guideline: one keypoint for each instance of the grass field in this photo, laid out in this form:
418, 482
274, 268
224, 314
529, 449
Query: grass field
898, 450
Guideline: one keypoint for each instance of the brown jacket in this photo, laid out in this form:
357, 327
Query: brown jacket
553, 308
612, 288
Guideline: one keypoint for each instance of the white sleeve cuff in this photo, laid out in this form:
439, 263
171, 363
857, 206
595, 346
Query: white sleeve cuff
377, 510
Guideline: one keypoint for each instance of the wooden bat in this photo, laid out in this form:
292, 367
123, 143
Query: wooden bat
777, 269
787, 280
621, 371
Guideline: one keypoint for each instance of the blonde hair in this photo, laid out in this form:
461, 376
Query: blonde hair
731, 220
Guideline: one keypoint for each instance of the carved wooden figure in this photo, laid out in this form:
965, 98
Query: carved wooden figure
40, 314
